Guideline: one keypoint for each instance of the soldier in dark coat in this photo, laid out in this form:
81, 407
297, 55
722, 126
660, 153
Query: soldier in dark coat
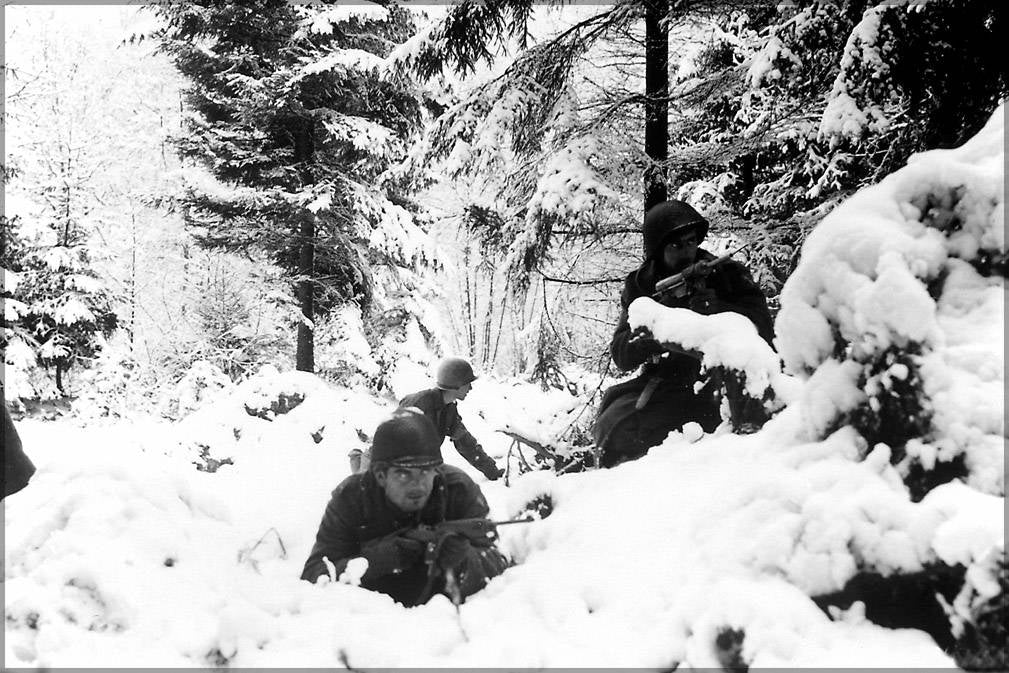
18, 469
454, 379
374, 514
638, 414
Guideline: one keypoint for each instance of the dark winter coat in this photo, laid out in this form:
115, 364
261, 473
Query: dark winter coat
448, 422
621, 430
359, 512
18, 469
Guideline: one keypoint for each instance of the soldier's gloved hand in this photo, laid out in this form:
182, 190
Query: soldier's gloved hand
645, 344
492, 472
452, 551
391, 554
705, 302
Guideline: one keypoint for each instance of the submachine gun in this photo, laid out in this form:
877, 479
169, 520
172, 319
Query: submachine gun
685, 283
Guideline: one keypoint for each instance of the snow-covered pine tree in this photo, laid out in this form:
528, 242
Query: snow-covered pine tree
787, 110
100, 110
237, 320
297, 120
60, 307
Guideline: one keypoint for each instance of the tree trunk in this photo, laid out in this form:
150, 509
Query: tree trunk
304, 148
305, 361
656, 103
746, 169
131, 325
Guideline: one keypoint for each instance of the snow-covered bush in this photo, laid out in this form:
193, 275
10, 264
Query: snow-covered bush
343, 354
116, 384
889, 316
202, 382
893, 321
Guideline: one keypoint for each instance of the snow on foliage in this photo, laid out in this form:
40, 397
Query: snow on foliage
346, 59
397, 233
849, 114
724, 339
72, 310
10, 280
322, 23
364, 135
14, 309
907, 267
60, 257
344, 352
569, 186
202, 382
764, 66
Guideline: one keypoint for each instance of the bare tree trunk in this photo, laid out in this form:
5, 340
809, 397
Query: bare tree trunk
488, 320
304, 148
656, 103
468, 291
500, 324
131, 325
746, 170
305, 359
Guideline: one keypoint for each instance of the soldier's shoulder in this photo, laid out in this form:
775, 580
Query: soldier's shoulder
637, 283
418, 398
350, 488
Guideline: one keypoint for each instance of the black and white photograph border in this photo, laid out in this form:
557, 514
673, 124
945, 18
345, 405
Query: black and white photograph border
649, 335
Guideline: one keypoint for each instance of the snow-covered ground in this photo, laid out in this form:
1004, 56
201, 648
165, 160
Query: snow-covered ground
121, 553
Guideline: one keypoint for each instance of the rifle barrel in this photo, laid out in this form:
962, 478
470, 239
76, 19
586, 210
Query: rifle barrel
511, 521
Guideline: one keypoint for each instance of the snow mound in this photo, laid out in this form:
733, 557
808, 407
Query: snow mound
895, 313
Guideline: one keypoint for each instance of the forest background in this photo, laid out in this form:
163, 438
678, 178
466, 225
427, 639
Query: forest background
195, 190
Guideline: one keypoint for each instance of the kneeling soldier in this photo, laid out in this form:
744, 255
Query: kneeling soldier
390, 516
453, 380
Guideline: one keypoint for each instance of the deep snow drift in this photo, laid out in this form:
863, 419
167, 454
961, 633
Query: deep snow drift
121, 553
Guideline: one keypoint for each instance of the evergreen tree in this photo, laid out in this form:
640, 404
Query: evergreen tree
791, 109
296, 119
60, 307
776, 113
85, 123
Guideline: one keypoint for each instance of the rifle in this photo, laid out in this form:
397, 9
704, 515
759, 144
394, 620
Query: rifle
478, 530
686, 282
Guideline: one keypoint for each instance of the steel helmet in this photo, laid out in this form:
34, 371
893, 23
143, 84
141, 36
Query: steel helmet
454, 373
667, 219
407, 439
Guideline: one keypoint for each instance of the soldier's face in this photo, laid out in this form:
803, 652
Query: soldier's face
462, 392
681, 251
408, 488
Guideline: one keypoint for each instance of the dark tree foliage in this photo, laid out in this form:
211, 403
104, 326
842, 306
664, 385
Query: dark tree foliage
906, 600
761, 149
298, 130
925, 76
